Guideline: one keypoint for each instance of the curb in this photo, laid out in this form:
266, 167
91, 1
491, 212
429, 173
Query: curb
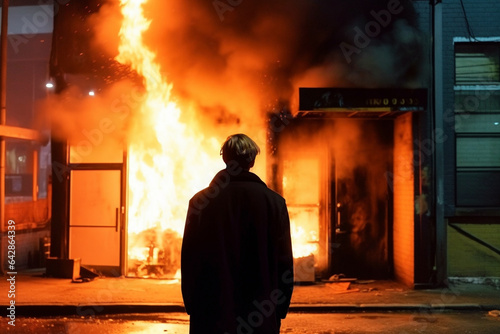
88, 310
431, 308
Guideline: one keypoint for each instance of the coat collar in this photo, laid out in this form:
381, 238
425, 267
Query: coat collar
227, 175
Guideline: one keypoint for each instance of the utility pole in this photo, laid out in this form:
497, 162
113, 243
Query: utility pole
438, 106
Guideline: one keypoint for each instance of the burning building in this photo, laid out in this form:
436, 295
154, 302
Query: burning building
170, 81
346, 170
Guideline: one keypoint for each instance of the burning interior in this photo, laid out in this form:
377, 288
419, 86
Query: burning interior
195, 78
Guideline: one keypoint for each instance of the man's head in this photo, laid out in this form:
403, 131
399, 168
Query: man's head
241, 149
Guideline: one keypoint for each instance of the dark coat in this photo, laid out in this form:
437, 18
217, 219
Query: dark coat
236, 261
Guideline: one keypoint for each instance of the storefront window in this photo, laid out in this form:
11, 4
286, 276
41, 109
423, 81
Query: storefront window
19, 169
477, 63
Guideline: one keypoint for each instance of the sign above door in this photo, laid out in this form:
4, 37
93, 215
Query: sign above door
360, 102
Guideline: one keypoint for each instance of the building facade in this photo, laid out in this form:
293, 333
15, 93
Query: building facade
26, 177
437, 179
467, 78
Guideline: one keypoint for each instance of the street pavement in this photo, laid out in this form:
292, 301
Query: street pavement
456, 322
33, 294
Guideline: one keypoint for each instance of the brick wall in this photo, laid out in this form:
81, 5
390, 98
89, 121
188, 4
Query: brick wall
464, 256
484, 20
423, 10
403, 183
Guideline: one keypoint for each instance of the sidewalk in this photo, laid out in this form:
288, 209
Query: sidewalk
36, 295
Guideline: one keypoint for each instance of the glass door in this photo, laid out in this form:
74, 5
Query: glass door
95, 216
304, 191
96, 205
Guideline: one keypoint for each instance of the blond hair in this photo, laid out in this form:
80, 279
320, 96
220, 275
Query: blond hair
241, 149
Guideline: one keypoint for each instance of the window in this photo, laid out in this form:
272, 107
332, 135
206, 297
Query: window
19, 168
477, 63
477, 124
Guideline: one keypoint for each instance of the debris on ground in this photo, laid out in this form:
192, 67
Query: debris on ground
341, 287
494, 313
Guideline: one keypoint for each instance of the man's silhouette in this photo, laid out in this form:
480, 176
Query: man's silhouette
236, 261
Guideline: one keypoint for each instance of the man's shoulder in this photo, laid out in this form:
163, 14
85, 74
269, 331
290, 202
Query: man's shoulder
273, 196
200, 193
226, 183
254, 182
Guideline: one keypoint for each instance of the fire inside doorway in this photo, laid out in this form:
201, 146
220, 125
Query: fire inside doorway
340, 168
342, 172
334, 177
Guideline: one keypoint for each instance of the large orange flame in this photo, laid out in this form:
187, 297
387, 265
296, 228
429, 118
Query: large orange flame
164, 157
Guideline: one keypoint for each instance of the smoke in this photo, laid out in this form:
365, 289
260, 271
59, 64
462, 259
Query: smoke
363, 158
349, 160
74, 114
236, 59
232, 61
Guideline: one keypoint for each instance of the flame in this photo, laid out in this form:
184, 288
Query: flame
304, 242
164, 158
300, 188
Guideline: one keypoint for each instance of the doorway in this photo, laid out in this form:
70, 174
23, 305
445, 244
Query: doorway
334, 176
96, 205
